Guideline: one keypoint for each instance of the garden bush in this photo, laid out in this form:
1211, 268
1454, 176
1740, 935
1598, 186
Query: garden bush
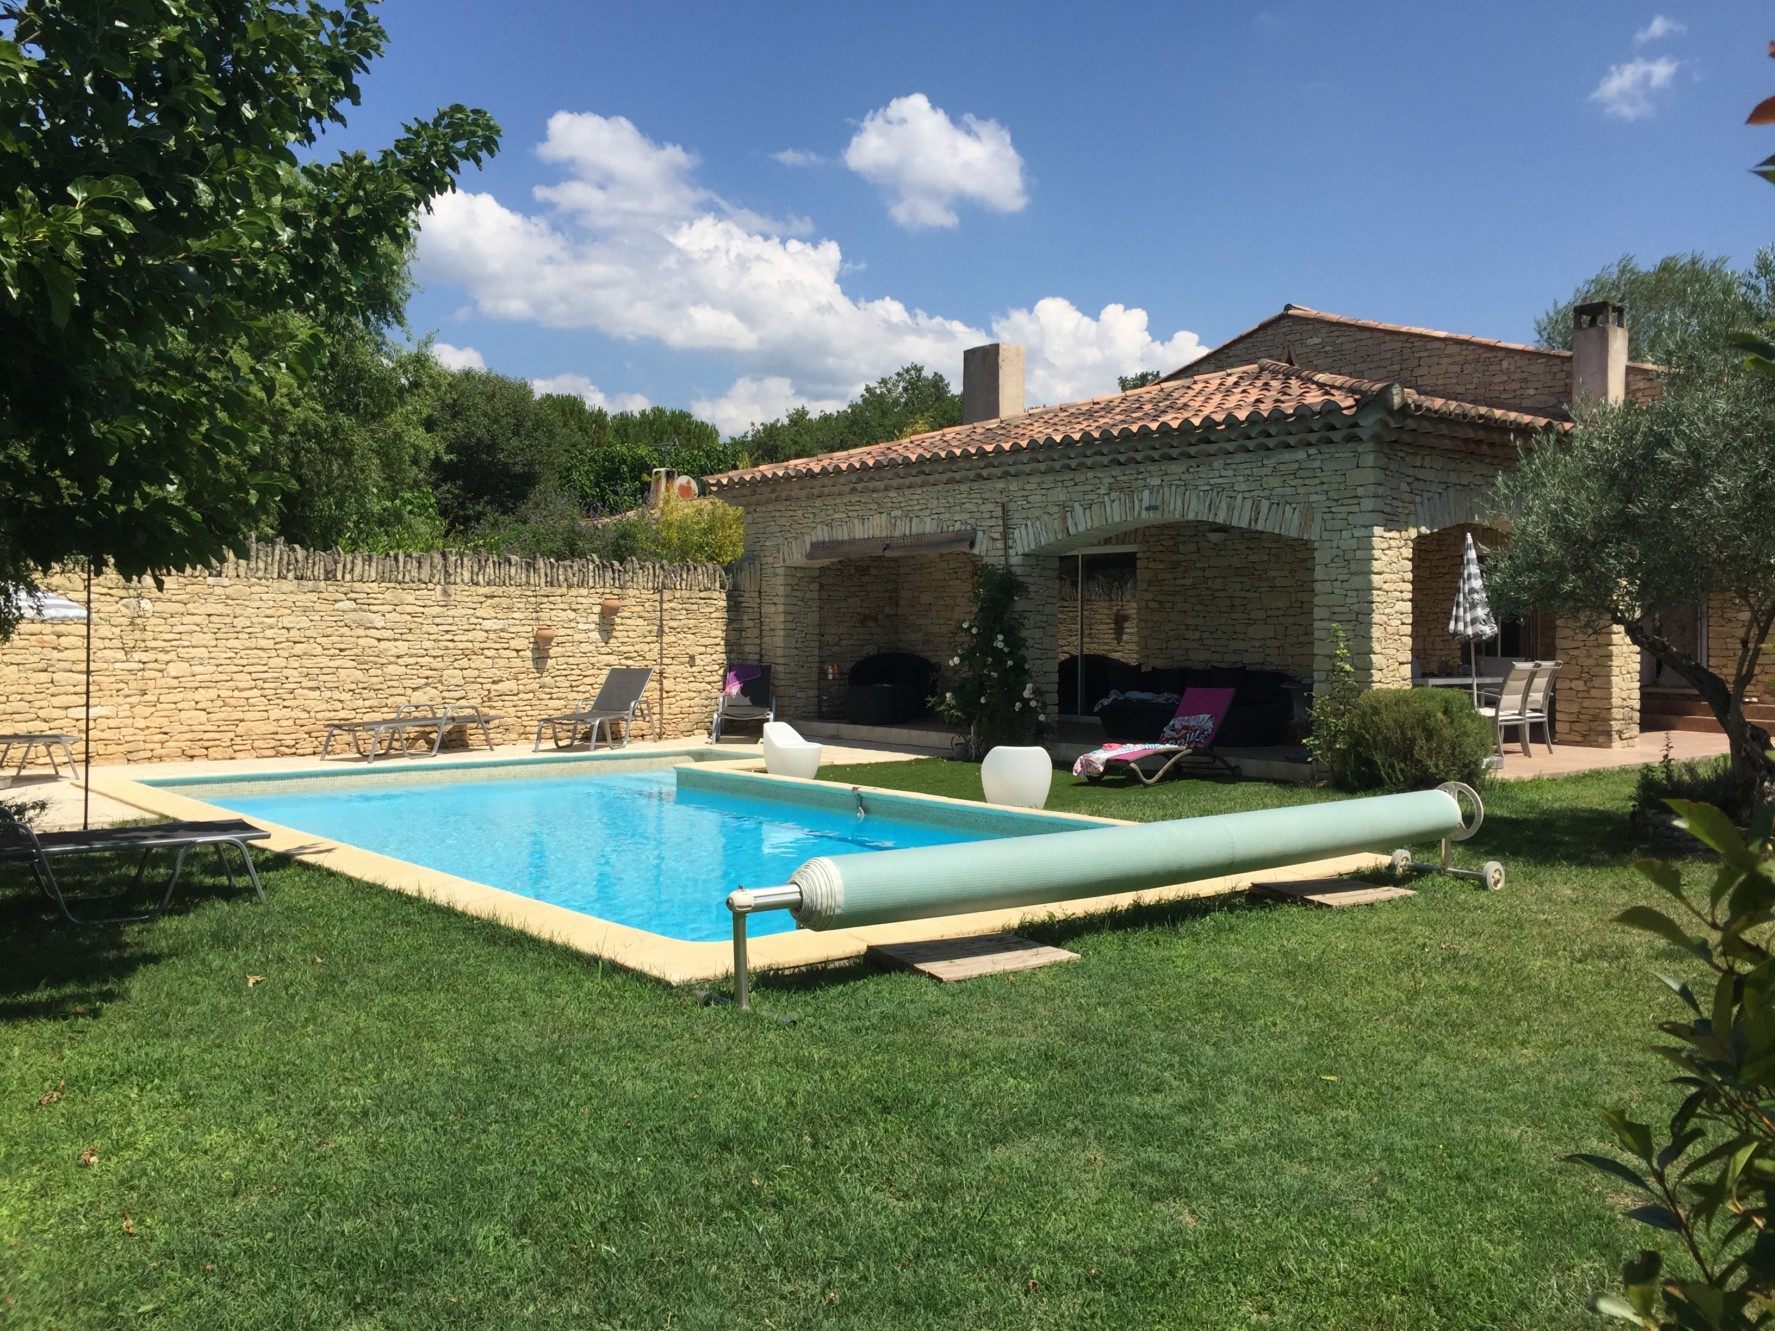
1411, 739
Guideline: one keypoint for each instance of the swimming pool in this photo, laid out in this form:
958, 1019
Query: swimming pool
638, 847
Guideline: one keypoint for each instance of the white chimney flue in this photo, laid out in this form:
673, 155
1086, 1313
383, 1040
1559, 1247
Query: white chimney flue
1599, 353
991, 382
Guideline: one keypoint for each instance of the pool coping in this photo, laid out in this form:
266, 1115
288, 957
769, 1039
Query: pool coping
672, 960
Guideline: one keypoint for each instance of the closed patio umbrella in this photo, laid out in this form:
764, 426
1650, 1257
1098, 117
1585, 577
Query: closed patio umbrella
1471, 619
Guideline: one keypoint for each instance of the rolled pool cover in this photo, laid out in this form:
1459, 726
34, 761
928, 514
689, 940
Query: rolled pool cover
877, 887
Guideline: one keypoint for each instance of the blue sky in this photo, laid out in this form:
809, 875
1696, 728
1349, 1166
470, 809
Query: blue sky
739, 207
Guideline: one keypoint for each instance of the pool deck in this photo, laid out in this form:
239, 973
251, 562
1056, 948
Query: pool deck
119, 793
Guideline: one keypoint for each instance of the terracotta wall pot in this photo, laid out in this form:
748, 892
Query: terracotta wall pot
610, 606
544, 636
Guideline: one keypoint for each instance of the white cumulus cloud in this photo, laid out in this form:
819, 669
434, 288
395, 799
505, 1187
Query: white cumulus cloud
1070, 355
457, 358
577, 385
1626, 91
797, 157
676, 266
927, 163
1660, 27
754, 399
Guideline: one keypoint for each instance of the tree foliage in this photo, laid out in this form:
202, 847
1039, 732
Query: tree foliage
1139, 379
907, 402
1642, 508
1681, 312
156, 217
1709, 1179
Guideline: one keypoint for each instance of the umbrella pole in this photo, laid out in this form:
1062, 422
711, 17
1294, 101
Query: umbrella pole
1473, 667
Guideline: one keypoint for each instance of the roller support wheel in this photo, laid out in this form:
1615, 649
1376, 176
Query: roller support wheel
1401, 862
1492, 876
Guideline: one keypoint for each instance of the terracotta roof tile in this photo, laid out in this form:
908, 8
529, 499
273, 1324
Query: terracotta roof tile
1266, 393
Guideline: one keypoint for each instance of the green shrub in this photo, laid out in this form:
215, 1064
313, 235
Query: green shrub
1702, 781
1334, 702
1411, 739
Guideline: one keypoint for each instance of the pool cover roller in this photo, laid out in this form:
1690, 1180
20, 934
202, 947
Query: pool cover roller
888, 885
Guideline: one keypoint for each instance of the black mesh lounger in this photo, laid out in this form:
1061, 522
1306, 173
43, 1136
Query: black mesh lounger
19, 842
619, 699
746, 696
407, 717
48, 743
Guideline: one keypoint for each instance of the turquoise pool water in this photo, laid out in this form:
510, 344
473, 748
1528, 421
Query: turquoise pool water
630, 847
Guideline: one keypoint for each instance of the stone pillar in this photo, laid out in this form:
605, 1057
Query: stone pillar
791, 618
1362, 581
1040, 613
1596, 696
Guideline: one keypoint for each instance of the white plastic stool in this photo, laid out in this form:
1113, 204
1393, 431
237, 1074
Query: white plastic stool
787, 754
1017, 775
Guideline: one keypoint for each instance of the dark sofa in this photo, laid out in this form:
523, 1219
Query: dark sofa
1262, 712
888, 689
1102, 673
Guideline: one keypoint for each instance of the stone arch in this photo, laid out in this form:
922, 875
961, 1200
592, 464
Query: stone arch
1131, 507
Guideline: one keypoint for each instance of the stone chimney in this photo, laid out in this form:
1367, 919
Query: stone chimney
1599, 353
991, 382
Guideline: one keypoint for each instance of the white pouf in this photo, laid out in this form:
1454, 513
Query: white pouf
787, 754
1017, 775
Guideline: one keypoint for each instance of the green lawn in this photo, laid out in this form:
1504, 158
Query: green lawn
1223, 1116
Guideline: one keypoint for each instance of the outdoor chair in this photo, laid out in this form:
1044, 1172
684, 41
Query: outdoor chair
1508, 709
384, 733
48, 743
745, 696
1186, 743
19, 842
1538, 705
786, 753
620, 698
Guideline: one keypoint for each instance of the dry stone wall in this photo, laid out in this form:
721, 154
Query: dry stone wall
252, 658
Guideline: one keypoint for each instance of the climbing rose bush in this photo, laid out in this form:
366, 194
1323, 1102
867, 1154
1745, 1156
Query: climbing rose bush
987, 686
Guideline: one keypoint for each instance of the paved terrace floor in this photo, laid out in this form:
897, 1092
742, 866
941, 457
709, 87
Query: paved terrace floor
64, 799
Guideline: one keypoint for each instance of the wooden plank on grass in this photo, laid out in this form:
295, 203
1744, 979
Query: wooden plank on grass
1332, 892
953, 959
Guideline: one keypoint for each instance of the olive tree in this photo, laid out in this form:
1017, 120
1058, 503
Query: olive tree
171, 241
1642, 507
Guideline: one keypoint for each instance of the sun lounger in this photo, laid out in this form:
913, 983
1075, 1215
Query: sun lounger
48, 743
745, 696
619, 699
1187, 742
385, 733
18, 842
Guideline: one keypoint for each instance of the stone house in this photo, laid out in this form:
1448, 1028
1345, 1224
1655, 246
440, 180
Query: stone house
1315, 471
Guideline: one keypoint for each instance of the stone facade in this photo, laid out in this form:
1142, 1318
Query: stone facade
1468, 369
252, 658
910, 604
1314, 536
1112, 613
1212, 596
1597, 694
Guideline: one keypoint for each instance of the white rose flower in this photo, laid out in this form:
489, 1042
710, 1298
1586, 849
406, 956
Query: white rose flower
1017, 707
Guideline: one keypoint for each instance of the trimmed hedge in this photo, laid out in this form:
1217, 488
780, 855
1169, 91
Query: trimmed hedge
1412, 739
